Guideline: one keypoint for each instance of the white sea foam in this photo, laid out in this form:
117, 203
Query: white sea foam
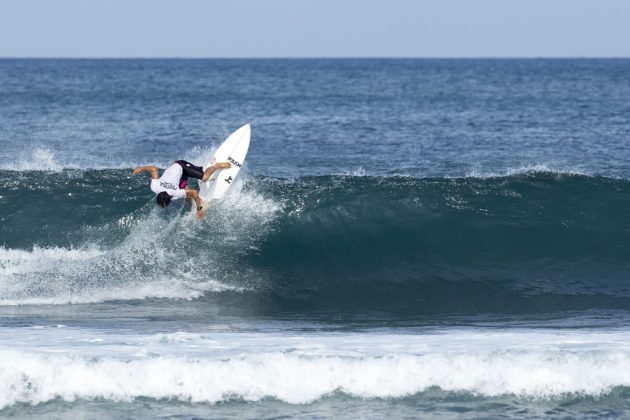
156, 288
61, 276
199, 155
39, 159
44, 159
15, 261
300, 369
527, 169
162, 256
360, 171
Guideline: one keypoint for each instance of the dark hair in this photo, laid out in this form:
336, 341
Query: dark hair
163, 199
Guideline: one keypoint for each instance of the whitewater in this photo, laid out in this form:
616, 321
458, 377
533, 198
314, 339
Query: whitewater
299, 369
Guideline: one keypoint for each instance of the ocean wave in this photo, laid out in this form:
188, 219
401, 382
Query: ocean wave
424, 243
38, 378
454, 241
43, 159
138, 255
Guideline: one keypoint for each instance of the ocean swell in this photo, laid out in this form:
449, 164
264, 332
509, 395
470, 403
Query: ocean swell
529, 234
536, 238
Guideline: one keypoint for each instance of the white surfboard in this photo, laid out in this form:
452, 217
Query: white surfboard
233, 150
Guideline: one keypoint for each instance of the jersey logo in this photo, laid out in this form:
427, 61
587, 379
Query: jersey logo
167, 185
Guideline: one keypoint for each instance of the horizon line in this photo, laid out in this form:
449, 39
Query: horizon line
316, 58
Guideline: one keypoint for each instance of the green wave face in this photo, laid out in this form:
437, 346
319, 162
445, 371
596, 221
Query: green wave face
529, 241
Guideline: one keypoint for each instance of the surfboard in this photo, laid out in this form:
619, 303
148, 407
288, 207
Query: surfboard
233, 150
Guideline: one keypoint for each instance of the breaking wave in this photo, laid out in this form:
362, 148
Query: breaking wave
532, 239
37, 378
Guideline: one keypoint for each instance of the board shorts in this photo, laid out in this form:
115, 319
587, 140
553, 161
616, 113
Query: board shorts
188, 171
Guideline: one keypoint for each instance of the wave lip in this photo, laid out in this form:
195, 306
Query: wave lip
533, 169
41, 159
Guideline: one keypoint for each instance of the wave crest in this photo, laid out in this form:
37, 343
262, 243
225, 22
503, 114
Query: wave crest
35, 379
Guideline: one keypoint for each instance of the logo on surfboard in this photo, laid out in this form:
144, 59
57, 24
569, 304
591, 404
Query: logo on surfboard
233, 161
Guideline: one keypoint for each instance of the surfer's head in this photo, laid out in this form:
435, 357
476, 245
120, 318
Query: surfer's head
163, 199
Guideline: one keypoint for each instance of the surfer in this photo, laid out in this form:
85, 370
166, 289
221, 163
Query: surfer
172, 184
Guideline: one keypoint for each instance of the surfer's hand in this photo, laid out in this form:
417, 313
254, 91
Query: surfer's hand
137, 170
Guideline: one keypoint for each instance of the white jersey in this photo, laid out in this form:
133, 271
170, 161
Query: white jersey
169, 182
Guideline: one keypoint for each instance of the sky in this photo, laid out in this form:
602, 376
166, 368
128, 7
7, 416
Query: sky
314, 28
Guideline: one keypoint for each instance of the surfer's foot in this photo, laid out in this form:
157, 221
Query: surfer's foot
211, 169
222, 165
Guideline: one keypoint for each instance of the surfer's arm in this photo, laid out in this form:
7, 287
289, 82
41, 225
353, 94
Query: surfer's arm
194, 194
151, 169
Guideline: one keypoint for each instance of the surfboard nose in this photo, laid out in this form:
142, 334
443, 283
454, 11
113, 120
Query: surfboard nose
233, 150
243, 131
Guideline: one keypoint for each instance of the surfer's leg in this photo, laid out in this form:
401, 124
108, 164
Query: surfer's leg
188, 171
210, 170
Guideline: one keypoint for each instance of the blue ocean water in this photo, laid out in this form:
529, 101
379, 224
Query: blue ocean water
444, 238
